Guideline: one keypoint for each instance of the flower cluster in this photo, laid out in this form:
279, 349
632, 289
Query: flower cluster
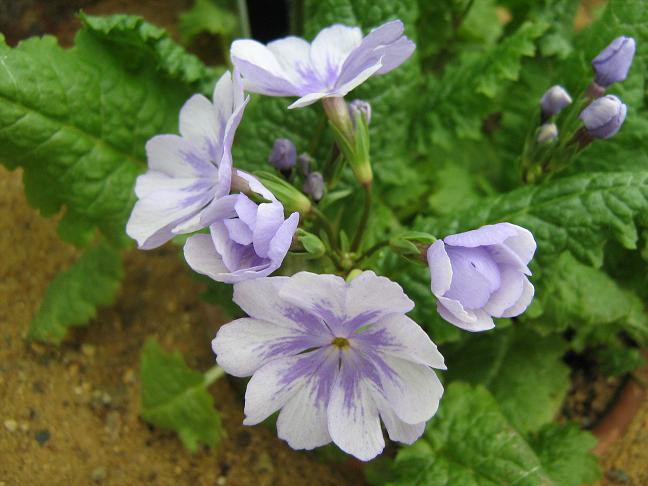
601, 115
335, 356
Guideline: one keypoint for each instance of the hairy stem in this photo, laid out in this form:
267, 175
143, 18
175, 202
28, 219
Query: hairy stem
364, 219
213, 374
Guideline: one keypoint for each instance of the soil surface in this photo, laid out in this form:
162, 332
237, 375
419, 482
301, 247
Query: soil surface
69, 414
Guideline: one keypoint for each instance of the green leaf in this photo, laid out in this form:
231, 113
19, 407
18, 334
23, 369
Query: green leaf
207, 16
524, 372
174, 397
469, 87
77, 119
586, 299
579, 214
564, 453
469, 443
137, 43
72, 298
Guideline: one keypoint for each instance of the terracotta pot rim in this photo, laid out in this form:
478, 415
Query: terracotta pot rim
615, 423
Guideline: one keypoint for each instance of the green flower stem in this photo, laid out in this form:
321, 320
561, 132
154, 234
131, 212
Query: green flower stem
364, 219
373, 249
245, 18
213, 374
326, 224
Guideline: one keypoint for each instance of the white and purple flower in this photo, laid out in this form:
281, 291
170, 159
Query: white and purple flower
248, 241
338, 60
189, 176
481, 274
335, 358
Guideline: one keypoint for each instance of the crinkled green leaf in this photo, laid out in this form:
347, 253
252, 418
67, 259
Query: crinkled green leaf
574, 295
564, 451
174, 397
77, 119
524, 372
72, 298
136, 42
466, 92
207, 16
578, 214
469, 442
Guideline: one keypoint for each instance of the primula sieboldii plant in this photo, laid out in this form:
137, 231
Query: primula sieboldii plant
334, 351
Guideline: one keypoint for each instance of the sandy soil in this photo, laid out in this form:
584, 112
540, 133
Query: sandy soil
69, 415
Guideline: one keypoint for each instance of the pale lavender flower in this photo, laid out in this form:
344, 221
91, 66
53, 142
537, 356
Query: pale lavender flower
189, 176
283, 156
335, 358
553, 101
249, 241
613, 63
604, 116
338, 60
481, 274
547, 132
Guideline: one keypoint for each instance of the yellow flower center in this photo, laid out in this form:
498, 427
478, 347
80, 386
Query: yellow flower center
340, 342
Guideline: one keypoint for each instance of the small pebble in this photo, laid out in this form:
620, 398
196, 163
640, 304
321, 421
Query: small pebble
99, 474
221, 481
618, 475
11, 425
129, 376
88, 350
42, 436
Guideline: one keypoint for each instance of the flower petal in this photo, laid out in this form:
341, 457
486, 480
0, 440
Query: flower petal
330, 48
261, 298
412, 390
168, 154
490, 234
282, 239
245, 345
202, 257
475, 276
523, 302
199, 125
270, 217
261, 71
440, 268
321, 295
353, 419
370, 298
399, 336
309, 99
510, 291
293, 55
218, 209
397, 429
396, 54
470, 320
303, 419
276, 382
523, 244
154, 217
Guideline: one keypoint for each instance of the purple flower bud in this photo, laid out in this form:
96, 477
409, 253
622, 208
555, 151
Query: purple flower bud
604, 116
284, 155
613, 63
362, 107
314, 186
481, 274
305, 162
554, 100
547, 132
